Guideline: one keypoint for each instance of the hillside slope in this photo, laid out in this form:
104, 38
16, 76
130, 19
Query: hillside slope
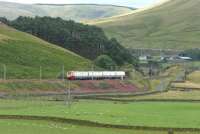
77, 12
174, 24
23, 54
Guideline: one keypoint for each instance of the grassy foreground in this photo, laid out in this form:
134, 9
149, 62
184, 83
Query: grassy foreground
159, 114
43, 127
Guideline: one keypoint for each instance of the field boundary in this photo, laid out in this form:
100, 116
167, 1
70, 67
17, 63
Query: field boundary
81, 95
94, 124
184, 88
145, 100
116, 95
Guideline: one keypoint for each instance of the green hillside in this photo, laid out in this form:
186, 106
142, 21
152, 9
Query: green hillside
173, 25
23, 54
75, 12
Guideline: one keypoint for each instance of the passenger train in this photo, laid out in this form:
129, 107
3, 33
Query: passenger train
95, 75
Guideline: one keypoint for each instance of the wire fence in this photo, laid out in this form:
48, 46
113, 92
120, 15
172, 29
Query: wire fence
8, 71
23, 82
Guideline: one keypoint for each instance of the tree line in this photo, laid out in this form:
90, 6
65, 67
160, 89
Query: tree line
85, 40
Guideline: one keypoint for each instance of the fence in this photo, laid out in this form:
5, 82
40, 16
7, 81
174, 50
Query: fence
8, 71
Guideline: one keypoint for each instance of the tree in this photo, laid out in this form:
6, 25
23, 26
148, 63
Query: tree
85, 40
105, 61
193, 53
3, 20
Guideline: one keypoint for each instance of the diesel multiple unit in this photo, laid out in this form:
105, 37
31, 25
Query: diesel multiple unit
95, 75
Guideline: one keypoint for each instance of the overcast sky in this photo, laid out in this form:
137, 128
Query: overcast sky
130, 3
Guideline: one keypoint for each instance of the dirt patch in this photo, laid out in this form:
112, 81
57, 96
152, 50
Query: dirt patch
103, 86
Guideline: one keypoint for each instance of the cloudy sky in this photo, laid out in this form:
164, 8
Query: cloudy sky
131, 3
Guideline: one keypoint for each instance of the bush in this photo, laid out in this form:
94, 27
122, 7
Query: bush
105, 62
104, 85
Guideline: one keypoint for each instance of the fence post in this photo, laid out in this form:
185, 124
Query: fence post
4, 72
63, 72
40, 73
170, 131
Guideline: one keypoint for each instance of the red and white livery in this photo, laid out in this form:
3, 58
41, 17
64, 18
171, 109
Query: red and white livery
95, 75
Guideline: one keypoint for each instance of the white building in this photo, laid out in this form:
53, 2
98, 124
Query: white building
143, 58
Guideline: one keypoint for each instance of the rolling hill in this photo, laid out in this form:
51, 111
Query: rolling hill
172, 25
23, 54
77, 12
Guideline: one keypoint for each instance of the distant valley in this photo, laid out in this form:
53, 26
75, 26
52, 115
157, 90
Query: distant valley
77, 12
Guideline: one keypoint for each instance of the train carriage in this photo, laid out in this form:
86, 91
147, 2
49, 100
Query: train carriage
95, 75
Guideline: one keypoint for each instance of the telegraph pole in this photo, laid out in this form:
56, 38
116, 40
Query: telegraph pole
67, 100
92, 71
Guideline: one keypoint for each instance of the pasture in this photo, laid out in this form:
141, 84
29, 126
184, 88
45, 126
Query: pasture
151, 114
192, 80
24, 56
194, 77
175, 95
186, 85
43, 127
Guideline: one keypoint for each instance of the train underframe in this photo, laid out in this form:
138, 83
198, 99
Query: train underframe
96, 78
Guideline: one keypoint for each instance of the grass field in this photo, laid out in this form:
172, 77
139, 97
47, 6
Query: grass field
172, 25
186, 85
159, 114
23, 55
43, 127
192, 80
170, 95
32, 86
194, 77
